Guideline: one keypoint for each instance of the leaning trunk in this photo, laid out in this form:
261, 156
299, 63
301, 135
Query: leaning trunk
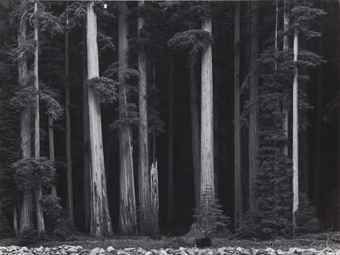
207, 188
253, 96
100, 221
127, 209
144, 175
25, 134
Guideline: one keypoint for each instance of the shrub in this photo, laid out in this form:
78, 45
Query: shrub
209, 217
306, 220
28, 237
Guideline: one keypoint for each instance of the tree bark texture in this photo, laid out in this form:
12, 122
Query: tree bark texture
127, 208
207, 116
100, 221
26, 208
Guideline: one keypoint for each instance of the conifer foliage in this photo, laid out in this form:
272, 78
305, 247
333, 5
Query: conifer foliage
120, 69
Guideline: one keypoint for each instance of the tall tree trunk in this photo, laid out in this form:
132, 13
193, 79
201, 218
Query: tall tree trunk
51, 149
318, 134
195, 127
144, 175
285, 48
154, 197
170, 213
127, 209
86, 141
337, 221
154, 170
68, 129
237, 127
207, 126
38, 191
295, 137
26, 211
100, 221
253, 134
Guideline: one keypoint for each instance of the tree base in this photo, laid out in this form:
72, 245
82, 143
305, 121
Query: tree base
203, 242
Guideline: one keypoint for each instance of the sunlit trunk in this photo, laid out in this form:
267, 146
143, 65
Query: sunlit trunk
207, 117
100, 221
26, 207
144, 174
295, 137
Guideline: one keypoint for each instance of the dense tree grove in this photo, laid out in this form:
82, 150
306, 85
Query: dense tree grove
174, 117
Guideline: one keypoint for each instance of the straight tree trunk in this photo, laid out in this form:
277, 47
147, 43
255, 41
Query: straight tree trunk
51, 148
295, 139
144, 175
26, 211
170, 214
154, 170
100, 221
154, 197
207, 126
86, 141
68, 130
38, 191
237, 126
253, 95
195, 127
317, 141
127, 209
285, 48
337, 205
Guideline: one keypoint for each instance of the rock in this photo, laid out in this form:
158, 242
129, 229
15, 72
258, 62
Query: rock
110, 249
96, 251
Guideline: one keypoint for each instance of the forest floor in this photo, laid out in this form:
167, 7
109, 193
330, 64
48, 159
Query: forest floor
318, 241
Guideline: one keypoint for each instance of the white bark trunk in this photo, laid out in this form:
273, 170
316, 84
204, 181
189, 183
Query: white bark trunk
237, 129
295, 148
127, 209
100, 221
26, 211
253, 135
144, 175
207, 117
38, 191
